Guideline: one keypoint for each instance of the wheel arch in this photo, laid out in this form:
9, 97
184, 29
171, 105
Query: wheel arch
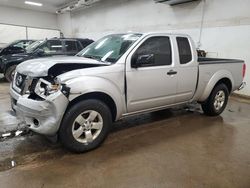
227, 82
8, 65
86, 87
105, 98
224, 77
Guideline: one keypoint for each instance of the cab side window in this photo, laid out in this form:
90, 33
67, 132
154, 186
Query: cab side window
52, 47
185, 54
157, 49
86, 42
79, 46
71, 46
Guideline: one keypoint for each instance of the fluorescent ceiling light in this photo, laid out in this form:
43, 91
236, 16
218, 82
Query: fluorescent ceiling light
33, 3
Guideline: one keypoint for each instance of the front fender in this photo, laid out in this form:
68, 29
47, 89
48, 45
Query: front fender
88, 84
213, 81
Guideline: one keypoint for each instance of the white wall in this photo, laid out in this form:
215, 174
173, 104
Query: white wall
145, 15
18, 23
64, 23
38, 34
10, 33
226, 28
25, 17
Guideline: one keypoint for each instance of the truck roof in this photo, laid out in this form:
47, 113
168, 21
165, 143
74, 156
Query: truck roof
165, 33
155, 33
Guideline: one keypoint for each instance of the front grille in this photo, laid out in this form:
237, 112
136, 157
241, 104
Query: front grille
32, 86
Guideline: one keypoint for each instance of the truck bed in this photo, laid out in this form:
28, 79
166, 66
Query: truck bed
206, 60
212, 69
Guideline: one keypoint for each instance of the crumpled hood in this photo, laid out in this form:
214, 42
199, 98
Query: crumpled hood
56, 65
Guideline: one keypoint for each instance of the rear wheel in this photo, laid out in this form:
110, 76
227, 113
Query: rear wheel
85, 125
10, 72
217, 101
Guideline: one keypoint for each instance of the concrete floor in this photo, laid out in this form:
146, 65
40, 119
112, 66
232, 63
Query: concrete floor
171, 148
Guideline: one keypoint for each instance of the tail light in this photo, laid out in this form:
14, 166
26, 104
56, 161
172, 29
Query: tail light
244, 70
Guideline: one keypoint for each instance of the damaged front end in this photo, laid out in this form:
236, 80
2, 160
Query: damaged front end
39, 99
39, 103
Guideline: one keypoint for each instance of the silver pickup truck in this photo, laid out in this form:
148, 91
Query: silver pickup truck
78, 98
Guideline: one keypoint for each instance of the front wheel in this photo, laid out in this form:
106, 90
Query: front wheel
9, 74
85, 125
217, 101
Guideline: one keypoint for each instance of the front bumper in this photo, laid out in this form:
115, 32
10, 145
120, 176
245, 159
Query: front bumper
1, 66
43, 117
243, 84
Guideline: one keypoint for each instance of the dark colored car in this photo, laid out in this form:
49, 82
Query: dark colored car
16, 47
47, 48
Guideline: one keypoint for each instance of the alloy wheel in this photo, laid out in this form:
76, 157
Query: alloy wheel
87, 126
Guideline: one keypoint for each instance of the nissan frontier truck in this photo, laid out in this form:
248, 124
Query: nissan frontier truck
78, 98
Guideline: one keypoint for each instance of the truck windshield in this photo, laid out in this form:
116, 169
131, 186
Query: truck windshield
109, 48
33, 46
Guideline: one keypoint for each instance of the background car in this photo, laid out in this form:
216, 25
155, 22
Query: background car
16, 47
48, 48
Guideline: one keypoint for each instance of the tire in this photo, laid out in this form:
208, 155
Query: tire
9, 73
217, 101
78, 134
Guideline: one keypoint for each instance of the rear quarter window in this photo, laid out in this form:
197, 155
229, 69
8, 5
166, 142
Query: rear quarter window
185, 54
86, 42
71, 46
79, 46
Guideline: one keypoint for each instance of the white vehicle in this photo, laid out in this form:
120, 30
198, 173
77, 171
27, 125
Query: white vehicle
120, 75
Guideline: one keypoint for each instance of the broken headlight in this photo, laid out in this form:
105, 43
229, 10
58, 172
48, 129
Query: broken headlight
45, 88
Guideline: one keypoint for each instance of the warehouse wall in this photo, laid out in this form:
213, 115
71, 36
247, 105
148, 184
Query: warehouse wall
18, 23
225, 32
25, 17
64, 23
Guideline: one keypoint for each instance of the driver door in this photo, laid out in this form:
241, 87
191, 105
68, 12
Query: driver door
153, 83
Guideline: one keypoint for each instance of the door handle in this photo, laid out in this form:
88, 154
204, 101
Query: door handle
171, 72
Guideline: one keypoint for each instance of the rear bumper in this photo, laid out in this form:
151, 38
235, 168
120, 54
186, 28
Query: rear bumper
43, 117
243, 84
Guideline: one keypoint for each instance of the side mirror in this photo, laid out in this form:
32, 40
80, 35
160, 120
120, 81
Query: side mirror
40, 52
142, 60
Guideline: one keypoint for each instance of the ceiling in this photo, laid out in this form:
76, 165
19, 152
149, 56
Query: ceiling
48, 5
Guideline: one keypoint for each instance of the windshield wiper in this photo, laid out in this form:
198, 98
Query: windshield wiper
91, 57
95, 58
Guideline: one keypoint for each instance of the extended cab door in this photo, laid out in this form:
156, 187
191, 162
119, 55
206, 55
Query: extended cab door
153, 83
187, 68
